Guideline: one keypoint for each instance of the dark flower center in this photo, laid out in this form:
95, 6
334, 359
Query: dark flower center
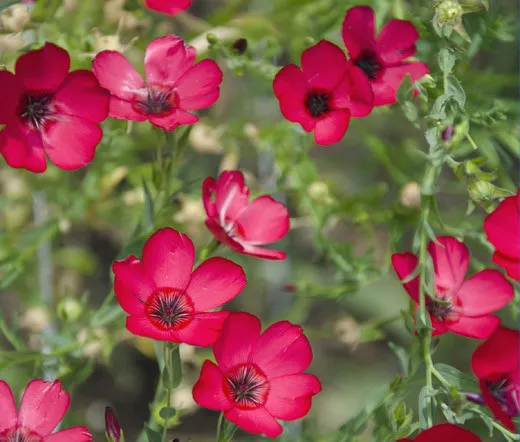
169, 309
34, 108
369, 63
19, 434
158, 101
507, 394
246, 386
317, 103
439, 309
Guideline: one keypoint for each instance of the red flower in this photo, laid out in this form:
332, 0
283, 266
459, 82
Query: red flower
444, 433
43, 406
170, 7
382, 59
495, 363
258, 377
239, 224
460, 306
166, 300
174, 85
324, 94
502, 228
46, 109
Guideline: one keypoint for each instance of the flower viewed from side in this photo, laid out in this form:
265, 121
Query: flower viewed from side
458, 305
170, 7
166, 300
495, 363
502, 228
240, 224
324, 94
258, 377
444, 433
382, 59
42, 408
48, 110
112, 428
173, 87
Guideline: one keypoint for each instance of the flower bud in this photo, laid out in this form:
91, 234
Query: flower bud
69, 309
113, 430
475, 398
212, 38
447, 133
14, 19
319, 191
348, 331
35, 319
240, 46
481, 190
411, 195
448, 10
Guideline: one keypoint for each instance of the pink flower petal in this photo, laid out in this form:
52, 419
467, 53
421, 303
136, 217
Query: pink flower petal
167, 59
260, 252
132, 285
142, 326
439, 327
74, 434
209, 187
404, 265
354, 93
215, 282
199, 87
208, 391
480, 327
282, 349
512, 266
43, 406
222, 236
9, 416
496, 408
203, 330
331, 128
396, 41
485, 292
168, 258
239, 334
122, 109
256, 421
264, 221
70, 142
450, 262
502, 227
11, 91
384, 94
446, 433
22, 148
43, 69
231, 197
116, 74
359, 31
170, 7
323, 65
386, 87
82, 96
173, 120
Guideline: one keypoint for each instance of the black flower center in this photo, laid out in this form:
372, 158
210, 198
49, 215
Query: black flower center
34, 108
317, 103
507, 394
19, 434
369, 64
439, 309
158, 101
246, 386
169, 309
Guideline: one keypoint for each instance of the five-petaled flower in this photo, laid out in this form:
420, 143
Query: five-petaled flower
166, 300
258, 377
324, 94
502, 228
495, 363
48, 110
382, 59
174, 85
458, 305
239, 224
170, 7
444, 433
42, 407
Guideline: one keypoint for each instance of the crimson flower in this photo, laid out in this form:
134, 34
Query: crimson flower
495, 363
241, 225
458, 305
324, 94
166, 301
174, 85
258, 377
502, 228
48, 110
444, 433
42, 408
170, 7
382, 59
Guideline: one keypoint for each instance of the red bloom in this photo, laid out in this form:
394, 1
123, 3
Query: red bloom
259, 377
239, 224
324, 94
444, 433
460, 306
502, 228
43, 406
495, 363
166, 300
46, 109
174, 85
170, 7
382, 58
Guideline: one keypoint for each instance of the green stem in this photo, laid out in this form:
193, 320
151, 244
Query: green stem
167, 358
207, 251
219, 425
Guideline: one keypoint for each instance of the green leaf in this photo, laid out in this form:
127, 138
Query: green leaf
446, 61
405, 91
402, 356
152, 435
172, 374
458, 379
457, 92
423, 408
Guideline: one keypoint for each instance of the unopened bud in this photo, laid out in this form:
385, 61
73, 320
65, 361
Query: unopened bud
113, 430
481, 190
290, 288
348, 331
448, 10
475, 398
35, 319
318, 191
448, 133
240, 46
69, 309
411, 195
212, 38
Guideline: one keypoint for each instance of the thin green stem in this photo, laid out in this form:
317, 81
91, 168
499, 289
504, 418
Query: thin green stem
166, 351
219, 425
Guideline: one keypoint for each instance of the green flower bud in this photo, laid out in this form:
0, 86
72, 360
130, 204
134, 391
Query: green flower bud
448, 10
69, 309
